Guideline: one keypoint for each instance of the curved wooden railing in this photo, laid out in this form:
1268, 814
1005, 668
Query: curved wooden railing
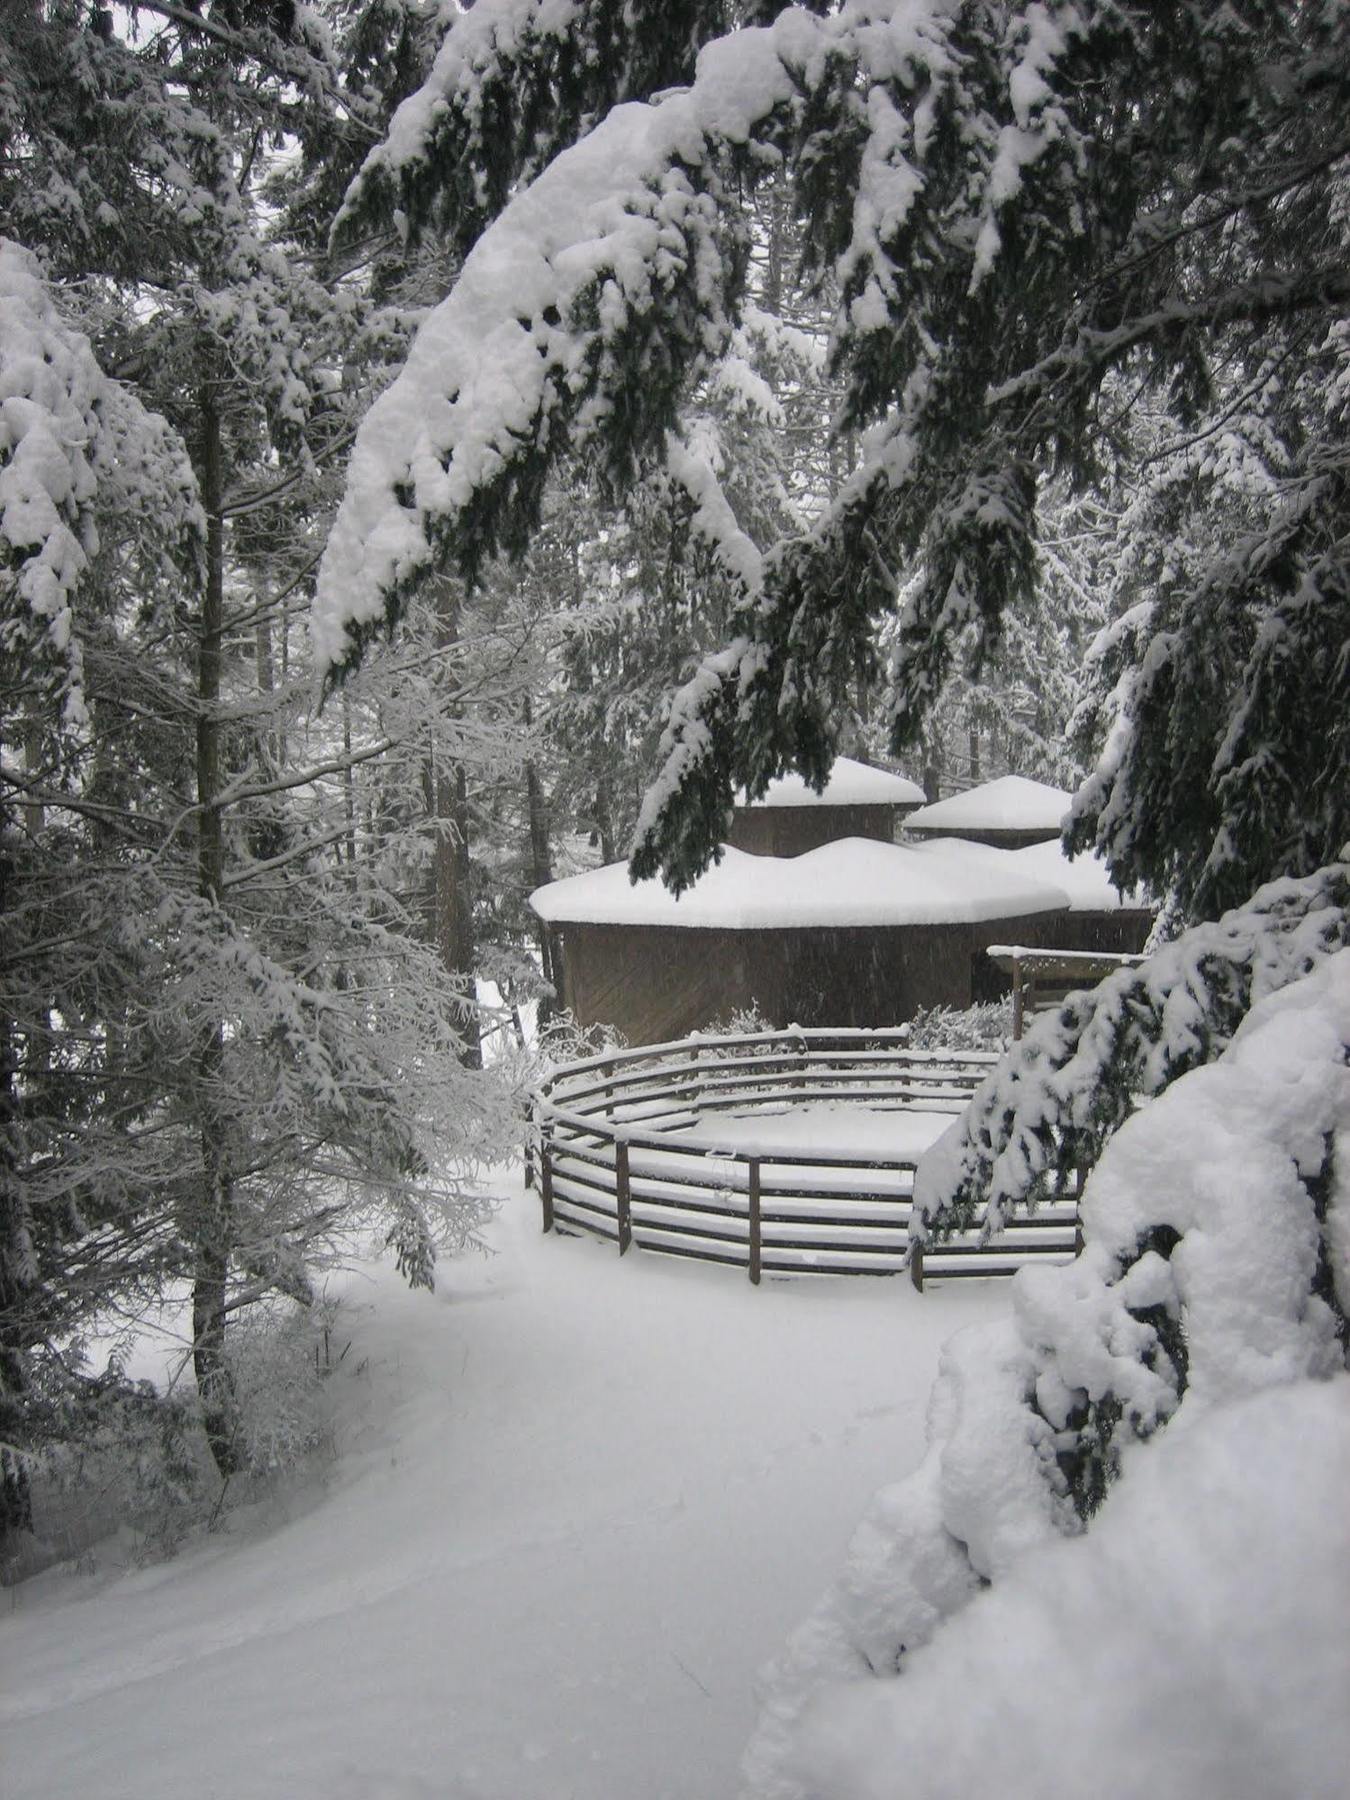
612, 1160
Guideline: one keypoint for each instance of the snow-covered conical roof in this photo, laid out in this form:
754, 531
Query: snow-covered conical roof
851, 882
1012, 803
850, 784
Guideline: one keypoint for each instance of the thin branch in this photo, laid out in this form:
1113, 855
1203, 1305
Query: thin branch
1239, 202
280, 861
337, 766
262, 497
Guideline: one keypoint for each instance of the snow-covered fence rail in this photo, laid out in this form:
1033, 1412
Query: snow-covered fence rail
628, 1150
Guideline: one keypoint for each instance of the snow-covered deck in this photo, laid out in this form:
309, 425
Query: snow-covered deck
782, 1153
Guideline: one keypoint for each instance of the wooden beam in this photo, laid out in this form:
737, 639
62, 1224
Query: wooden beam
756, 1224
623, 1196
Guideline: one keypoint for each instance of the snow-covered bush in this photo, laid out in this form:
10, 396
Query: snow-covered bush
116, 1454
125, 1455
740, 1021
282, 1358
1216, 1268
984, 1026
1045, 1113
1191, 1645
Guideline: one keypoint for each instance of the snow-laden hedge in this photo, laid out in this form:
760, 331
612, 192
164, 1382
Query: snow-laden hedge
1216, 1272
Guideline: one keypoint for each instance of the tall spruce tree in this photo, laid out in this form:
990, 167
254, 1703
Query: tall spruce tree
224, 1039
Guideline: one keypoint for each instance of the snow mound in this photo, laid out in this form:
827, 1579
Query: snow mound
1193, 1644
1168, 1606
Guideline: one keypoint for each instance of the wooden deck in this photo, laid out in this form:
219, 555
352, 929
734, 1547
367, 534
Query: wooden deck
627, 1152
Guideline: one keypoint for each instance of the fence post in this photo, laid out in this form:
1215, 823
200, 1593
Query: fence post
756, 1231
1017, 998
545, 1176
623, 1198
916, 1266
1079, 1180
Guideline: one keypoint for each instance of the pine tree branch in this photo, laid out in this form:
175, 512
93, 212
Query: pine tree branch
1257, 302
303, 74
263, 497
1237, 203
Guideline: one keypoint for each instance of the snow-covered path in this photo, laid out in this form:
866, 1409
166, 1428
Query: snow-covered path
578, 1503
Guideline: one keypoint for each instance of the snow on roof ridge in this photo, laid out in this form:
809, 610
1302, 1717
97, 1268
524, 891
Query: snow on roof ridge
1085, 879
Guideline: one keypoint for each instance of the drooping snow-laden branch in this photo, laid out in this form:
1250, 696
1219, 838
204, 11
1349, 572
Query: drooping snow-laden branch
965, 176
513, 83
600, 293
1044, 1114
578, 319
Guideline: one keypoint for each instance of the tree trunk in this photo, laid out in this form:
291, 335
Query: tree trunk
604, 820
541, 873
16, 1507
210, 1228
451, 866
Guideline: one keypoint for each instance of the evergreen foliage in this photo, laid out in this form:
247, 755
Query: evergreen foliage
227, 1040
1034, 216
1042, 1118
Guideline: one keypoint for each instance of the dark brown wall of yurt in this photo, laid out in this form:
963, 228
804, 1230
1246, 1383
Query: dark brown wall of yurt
988, 834
650, 983
654, 984
1125, 932
793, 830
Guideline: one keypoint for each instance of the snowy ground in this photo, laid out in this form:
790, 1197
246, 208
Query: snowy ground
842, 1130
578, 1502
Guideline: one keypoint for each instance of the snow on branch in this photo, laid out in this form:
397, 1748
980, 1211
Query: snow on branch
578, 319
512, 83
74, 445
1081, 1072
712, 519
695, 754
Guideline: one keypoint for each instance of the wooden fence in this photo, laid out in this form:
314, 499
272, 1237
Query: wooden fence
613, 1160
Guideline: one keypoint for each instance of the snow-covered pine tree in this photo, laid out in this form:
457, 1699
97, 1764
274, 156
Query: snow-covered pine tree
225, 1042
79, 459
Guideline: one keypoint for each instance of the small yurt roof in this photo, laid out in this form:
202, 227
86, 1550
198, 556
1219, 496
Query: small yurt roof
850, 784
851, 882
1084, 880
1012, 803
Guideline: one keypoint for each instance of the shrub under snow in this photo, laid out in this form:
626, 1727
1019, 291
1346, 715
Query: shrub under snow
1187, 1644
1192, 1645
